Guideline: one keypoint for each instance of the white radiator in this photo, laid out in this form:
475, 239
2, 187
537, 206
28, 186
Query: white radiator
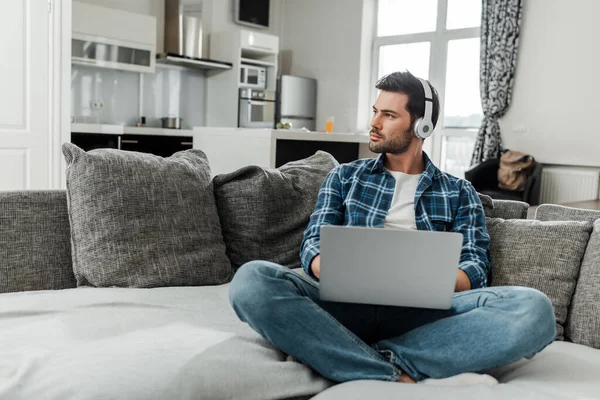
565, 185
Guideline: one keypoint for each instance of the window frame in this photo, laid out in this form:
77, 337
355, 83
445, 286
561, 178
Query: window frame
438, 59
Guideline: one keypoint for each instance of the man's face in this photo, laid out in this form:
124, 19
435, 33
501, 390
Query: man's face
390, 126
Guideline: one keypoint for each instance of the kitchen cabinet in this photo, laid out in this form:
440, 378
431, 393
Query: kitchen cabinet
91, 141
163, 146
145, 140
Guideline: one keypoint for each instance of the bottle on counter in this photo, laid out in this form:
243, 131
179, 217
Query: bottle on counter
141, 122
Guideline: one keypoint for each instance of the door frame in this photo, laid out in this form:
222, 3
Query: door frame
59, 42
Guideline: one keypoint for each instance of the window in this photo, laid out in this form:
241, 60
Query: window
437, 40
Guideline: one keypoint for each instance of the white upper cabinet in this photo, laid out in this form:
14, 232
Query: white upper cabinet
111, 38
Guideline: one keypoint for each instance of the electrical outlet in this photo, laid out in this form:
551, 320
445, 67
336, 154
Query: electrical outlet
97, 105
520, 129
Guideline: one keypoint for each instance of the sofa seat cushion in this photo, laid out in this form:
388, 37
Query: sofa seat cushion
559, 372
125, 343
140, 220
264, 212
542, 255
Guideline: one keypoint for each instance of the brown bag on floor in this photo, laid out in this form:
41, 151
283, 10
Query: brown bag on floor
514, 170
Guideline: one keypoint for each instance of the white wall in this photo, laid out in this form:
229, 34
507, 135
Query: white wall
322, 40
557, 84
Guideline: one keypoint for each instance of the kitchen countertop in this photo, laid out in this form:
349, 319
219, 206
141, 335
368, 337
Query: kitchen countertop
128, 130
285, 134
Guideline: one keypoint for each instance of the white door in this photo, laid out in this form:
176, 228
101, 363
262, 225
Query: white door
24, 95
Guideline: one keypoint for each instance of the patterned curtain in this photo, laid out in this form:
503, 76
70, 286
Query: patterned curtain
500, 25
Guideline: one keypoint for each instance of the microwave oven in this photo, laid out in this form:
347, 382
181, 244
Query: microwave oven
252, 77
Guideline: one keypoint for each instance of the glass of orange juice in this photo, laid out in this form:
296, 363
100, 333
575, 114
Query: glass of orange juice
329, 125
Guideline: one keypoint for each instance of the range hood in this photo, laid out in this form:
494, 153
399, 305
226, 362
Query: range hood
184, 37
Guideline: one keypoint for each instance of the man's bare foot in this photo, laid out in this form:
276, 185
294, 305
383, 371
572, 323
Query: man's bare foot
405, 379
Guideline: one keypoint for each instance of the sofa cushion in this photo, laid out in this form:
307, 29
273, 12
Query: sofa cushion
122, 343
509, 209
541, 255
264, 212
562, 371
554, 212
583, 322
139, 220
35, 247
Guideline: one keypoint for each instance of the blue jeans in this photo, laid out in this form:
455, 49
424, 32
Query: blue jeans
484, 329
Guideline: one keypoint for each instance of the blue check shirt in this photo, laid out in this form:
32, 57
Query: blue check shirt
360, 194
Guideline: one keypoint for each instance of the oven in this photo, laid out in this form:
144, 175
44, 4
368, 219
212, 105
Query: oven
256, 109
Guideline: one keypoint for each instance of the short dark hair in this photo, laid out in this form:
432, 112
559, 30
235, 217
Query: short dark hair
407, 83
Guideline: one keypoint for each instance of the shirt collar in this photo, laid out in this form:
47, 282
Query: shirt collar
429, 172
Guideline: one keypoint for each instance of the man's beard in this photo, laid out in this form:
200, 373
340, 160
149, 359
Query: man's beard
397, 144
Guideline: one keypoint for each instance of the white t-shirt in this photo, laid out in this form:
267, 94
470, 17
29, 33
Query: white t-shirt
401, 214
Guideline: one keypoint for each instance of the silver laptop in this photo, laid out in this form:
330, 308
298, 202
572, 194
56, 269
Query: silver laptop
389, 267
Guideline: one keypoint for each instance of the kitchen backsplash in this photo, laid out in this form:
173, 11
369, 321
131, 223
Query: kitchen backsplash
169, 92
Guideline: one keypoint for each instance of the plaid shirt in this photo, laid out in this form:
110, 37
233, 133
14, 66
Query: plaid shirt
360, 194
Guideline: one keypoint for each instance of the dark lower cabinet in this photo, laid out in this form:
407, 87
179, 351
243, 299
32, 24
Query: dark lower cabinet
91, 141
292, 150
163, 146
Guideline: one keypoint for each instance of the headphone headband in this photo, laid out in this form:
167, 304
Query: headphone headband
424, 126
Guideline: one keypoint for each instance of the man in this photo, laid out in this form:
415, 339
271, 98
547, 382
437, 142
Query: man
484, 329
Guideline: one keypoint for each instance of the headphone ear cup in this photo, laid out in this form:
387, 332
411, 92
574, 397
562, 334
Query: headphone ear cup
423, 129
417, 127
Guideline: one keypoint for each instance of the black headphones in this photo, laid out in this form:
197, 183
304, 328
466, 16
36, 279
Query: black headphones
423, 127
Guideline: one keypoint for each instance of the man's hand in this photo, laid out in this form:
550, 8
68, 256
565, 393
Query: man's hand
462, 281
315, 265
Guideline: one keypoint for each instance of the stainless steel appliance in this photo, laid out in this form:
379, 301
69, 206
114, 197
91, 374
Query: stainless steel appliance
256, 109
253, 77
185, 40
297, 101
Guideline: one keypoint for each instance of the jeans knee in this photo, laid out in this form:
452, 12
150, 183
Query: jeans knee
248, 291
539, 312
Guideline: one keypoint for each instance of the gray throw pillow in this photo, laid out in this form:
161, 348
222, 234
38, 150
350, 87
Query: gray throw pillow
542, 255
139, 220
264, 212
583, 322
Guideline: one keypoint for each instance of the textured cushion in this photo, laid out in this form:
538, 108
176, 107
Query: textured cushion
554, 212
583, 323
487, 203
35, 248
139, 220
509, 209
264, 211
541, 255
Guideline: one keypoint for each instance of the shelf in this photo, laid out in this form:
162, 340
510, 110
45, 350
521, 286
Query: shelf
170, 59
256, 62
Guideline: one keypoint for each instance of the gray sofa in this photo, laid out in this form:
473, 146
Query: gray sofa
63, 341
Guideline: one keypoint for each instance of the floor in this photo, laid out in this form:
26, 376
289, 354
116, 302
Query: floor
590, 205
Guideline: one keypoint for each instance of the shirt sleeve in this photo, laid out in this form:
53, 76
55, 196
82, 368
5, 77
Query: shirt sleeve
470, 221
329, 210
